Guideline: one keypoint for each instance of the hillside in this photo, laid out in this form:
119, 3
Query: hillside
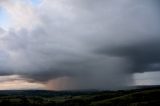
135, 97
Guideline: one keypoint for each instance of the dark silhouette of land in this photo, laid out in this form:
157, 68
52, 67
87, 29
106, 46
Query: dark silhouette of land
142, 96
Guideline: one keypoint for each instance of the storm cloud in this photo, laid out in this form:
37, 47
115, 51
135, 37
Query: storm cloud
95, 44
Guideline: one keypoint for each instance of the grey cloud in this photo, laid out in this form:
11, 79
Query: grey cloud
144, 56
99, 44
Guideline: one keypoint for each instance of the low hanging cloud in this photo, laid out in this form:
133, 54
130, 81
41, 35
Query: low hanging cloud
94, 44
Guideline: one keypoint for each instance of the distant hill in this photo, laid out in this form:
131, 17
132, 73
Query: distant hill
141, 96
42, 93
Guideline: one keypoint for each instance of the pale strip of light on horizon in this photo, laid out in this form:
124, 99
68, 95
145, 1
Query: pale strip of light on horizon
15, 82
147, 78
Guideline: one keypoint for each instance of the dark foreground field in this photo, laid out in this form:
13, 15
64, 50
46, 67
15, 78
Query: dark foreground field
136, 97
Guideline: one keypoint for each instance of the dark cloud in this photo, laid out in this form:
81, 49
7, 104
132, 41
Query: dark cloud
98, 44
144, 56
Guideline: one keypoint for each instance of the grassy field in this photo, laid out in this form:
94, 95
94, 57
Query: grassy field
136, 97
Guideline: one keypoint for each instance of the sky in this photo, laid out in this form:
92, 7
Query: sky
79, 44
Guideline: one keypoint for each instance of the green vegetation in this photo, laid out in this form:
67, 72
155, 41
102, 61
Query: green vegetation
137, 97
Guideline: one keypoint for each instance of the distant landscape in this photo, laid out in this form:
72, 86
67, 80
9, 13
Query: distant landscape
142, 96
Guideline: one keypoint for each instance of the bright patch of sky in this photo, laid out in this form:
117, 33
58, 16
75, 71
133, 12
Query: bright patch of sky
4, 16
4, 19
147, 78
36, 2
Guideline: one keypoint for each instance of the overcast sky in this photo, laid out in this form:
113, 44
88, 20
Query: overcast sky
79, 44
